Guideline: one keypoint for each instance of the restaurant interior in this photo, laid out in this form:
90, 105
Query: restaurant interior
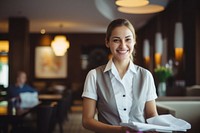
57, 42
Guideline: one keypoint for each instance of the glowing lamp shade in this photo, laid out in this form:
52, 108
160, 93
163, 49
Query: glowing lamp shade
159, 42
131, 3
146, 48
148, 9
4, 46
60, 45
146, 51
178, 41
4, 108
4, 59
158, 48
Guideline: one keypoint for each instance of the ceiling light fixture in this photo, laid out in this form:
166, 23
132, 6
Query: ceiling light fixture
151, 8
60, 45
131, 3
158, 48
178, 41
146, 52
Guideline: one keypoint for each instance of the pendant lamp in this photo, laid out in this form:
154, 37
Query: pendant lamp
131, 3
60, 45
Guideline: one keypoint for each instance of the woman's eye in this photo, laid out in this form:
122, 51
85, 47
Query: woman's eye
128, 40
115, 40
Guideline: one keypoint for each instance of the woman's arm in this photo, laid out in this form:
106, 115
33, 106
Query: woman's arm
150, 109
89, 109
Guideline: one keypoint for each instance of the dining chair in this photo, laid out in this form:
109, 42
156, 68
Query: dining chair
193, 90
45, 117
63, 108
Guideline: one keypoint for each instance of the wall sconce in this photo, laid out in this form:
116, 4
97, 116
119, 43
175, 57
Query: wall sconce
60, 45
158, 48
146, 52
178, 41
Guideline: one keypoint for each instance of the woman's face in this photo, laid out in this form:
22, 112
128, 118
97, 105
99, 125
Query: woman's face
121, 43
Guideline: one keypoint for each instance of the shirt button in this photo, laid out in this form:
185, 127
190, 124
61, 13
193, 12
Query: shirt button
124, 95
124, 109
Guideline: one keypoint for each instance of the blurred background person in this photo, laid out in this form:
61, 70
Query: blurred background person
20, 86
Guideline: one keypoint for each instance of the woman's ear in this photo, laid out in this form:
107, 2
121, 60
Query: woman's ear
107, 43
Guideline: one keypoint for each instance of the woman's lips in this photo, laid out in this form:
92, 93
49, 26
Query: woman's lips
122, 51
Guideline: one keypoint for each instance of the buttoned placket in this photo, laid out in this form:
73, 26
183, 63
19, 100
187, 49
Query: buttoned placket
124, 101
121, 91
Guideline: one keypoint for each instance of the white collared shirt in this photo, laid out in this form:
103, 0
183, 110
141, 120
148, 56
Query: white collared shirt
123, 88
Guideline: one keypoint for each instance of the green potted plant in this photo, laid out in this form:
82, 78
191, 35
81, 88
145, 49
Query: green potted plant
162, 73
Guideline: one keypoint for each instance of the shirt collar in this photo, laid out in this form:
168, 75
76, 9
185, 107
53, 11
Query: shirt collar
108, 65
131, 67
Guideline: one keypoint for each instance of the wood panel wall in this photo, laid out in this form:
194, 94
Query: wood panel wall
76, 76
186, 12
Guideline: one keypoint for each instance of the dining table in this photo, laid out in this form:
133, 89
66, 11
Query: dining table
49, 98
12, 113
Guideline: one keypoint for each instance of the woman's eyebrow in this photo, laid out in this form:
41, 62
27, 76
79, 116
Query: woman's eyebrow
128, 36
119, 37
116, 37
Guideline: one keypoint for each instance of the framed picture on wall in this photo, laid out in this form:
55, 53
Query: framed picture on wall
47, 65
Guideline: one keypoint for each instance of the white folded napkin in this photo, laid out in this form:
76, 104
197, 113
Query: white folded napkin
160, 123
28, 99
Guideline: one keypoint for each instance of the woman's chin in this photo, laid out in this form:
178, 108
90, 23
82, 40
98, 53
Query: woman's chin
123, 57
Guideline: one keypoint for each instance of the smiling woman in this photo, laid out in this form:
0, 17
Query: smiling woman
115, 89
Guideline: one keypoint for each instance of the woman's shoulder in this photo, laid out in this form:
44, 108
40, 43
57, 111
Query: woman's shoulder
91, 73
102, 67
142, 70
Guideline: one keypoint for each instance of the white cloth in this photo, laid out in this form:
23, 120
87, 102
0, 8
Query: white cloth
28, 99
124, 89
160, 123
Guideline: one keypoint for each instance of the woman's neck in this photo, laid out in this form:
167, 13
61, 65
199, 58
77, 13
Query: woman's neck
122, 66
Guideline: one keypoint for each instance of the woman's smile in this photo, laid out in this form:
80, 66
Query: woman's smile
121, 51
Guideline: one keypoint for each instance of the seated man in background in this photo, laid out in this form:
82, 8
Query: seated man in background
20, 86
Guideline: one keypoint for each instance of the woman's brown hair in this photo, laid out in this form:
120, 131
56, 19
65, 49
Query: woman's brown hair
119, 22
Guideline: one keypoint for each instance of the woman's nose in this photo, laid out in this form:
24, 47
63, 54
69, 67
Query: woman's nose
123, 43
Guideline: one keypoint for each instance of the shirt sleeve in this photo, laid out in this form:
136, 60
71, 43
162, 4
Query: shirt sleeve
90, 89
151, 93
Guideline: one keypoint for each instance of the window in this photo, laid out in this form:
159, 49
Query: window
4, 48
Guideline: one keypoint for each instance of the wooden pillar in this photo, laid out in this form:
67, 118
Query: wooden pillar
189, 21
19, 46
198, 46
